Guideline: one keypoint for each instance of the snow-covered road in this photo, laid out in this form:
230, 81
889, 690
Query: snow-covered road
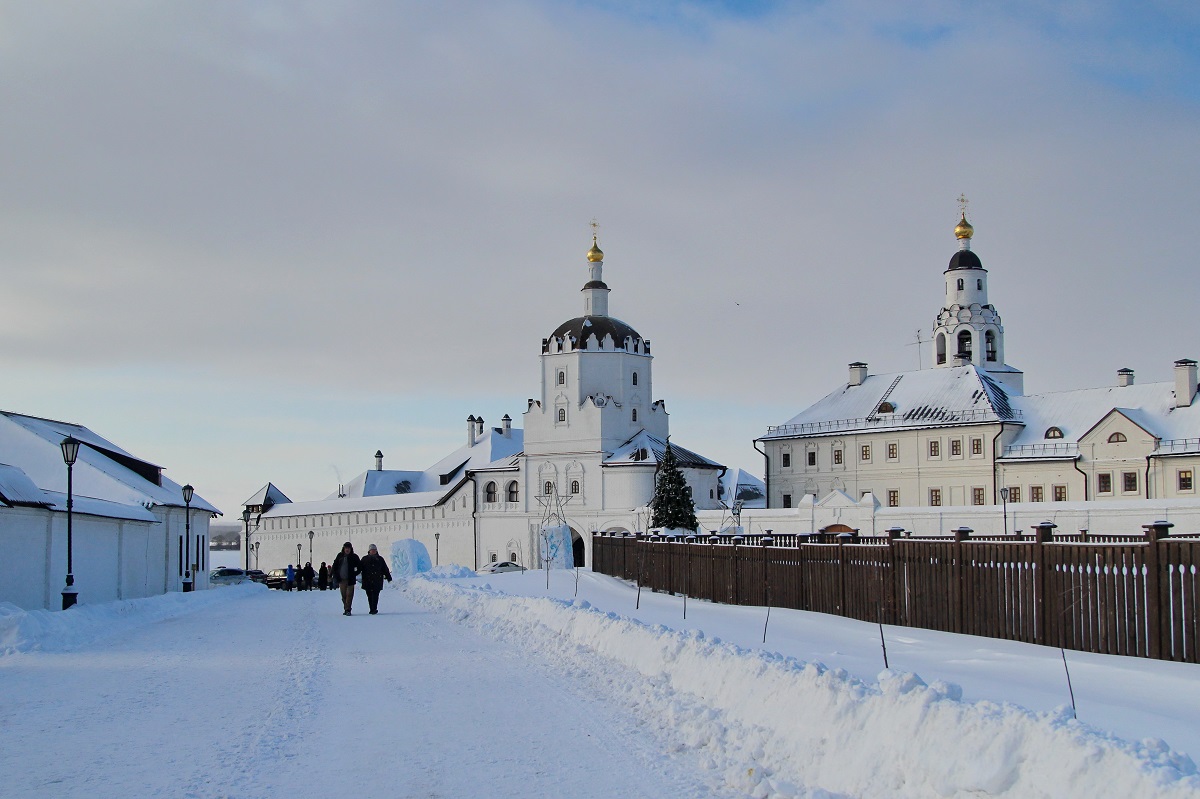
277, 694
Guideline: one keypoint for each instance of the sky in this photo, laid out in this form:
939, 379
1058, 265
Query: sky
259, 241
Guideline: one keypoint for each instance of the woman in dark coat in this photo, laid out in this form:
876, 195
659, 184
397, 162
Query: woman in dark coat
345, 569
374, 571
323, 577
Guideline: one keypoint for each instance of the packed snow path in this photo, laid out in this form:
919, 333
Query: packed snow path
278, 694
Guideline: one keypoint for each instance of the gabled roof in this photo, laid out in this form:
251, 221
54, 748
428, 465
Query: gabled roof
267, 496
103, 471
738, 481
17, 489
644, 449
923, 398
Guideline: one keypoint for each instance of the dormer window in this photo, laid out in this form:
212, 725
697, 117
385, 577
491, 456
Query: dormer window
1054, 432
1117, 438
886, 407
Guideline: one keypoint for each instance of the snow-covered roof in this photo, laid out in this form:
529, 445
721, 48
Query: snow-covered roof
737, 482
644, 448
17, 489
103, 471
267, 496
924, 398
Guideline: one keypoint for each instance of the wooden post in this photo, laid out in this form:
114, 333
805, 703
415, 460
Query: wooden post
893, 615
957, 582
736, 566
1157, 642
841, 541
1041, 536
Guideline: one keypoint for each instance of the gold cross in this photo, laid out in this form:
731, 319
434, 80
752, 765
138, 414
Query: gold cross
962, 205
595, 228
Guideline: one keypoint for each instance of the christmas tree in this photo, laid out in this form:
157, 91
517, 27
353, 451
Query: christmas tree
672, 505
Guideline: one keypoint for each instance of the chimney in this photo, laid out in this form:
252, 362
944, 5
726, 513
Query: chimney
858, 373
1185, 382
479, 427
1124, 377
379, 460
471, 430
507, 422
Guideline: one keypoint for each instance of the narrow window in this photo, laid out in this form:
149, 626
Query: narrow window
562, 414
812, 458
489, 492
935, 497
1117, 438
635, 378
964, 344
935, 449
1036, 494
548, 488
977, 496
893, 498
635, 414
493, 557
979, 284
989, 346
956, 447
893, 451
1060, 493
787, 460
562, 378
512, 491
1014, 494
512, 556
787, 500
837, 456
960, 284
1185, 480
865, 453
1129, 482
574, 486
1104, 483
976, 446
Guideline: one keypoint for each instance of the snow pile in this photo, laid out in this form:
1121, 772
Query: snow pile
409, 558
554, 546
780, 727
63, 631
449, 572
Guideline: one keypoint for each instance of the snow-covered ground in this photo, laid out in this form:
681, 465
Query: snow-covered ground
495, 686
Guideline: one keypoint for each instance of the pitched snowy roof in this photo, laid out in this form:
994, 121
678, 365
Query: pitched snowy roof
17, 489
103, 471
924, 398
737, 482
644, 448
267, 496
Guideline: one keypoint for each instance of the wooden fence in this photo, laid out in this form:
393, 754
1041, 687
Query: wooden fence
1124, 595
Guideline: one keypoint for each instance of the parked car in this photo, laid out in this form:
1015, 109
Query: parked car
257, 575
276, 578
502, 566
227, 576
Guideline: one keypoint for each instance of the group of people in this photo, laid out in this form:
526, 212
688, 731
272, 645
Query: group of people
346, 569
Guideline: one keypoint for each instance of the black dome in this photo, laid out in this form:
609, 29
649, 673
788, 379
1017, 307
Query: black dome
581, 328
965, 259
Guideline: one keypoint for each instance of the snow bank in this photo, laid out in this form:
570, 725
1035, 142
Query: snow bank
780, 727
409, 558
63, 631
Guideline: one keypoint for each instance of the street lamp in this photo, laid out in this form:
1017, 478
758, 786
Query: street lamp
187, 538
257, 544
298, 548
436, 537
70, 451
1004, 500
246, 540
311, 533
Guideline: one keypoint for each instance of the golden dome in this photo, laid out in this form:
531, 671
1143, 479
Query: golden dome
963, 229
595, 255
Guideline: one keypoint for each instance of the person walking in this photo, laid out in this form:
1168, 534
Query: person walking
323, 576
289, 580
308, 576
346, 567
374, 571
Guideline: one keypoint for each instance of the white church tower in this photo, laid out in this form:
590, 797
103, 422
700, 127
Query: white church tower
968, 329
596, 380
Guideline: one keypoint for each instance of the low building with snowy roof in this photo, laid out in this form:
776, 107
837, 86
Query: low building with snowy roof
963, 434
130, 532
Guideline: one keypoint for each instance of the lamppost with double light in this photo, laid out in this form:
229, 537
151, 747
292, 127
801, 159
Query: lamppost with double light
70, 451
257, 544
187, 538
1004, 501
436, 546
246, 540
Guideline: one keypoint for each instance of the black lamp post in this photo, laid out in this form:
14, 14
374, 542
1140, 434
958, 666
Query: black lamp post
187, 538
436, 546
257, 544
246, 540
1004, 501
311, 533
70, 451
299, 547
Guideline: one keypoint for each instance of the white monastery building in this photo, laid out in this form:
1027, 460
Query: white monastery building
586, 456
946, 445
132, 534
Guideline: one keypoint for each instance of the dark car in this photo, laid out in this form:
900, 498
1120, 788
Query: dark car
276, 578
257, 575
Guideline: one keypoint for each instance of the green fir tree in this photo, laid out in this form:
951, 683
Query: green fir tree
672, 505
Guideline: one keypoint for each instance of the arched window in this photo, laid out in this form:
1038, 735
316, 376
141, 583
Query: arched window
512, 556
548, 488
562, 378
513, 493
941, 348
635, 414
886, 407
489, 492
1117, 438
635, 378
979, 284
574, 486
989, 345
964, 344
960, 284
562, 414
1054, 432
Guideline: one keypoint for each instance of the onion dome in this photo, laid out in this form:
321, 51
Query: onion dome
595, 255
963, 229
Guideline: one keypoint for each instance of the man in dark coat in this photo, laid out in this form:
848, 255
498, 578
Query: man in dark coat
374, 571
346, 567
323, 577
308, 576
